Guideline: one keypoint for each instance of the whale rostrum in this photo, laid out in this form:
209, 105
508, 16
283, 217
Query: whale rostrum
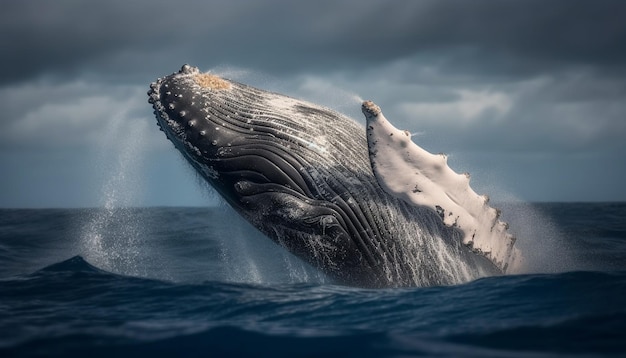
371, 210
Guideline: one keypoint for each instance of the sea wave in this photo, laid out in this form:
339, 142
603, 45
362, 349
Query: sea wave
191, 282
73, 307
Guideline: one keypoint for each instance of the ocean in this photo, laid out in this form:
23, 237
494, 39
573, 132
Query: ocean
191, 282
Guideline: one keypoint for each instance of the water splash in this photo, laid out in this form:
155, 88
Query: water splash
545, 248
248, 256
111, 237
237, 258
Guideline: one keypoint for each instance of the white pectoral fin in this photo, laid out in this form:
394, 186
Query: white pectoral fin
410, 173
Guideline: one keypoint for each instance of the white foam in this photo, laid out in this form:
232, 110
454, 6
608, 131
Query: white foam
410, 173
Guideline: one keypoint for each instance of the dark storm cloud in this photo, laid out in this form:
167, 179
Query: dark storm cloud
422, 56
523, 85
121, 37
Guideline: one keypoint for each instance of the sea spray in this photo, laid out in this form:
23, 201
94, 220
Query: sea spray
545, 248
247, 256
112, 234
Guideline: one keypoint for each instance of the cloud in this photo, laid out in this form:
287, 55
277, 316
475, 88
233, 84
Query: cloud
44, 115
484, 79
466, 107
498, 38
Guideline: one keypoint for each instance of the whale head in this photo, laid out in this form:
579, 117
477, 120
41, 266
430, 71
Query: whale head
272, 158
184, 104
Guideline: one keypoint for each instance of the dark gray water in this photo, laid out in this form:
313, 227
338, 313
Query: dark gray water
200, 282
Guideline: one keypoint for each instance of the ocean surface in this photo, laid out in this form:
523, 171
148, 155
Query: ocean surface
186, 282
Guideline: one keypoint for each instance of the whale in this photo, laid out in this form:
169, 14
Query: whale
360, 202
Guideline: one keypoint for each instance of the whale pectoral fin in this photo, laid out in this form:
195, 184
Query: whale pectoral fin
412, 174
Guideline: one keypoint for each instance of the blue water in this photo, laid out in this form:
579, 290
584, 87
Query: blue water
201, 282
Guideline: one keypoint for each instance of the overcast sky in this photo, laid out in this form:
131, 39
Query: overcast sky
528, 96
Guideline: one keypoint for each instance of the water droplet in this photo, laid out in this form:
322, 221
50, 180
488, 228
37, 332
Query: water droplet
203, 133
192, 123
182, 113
171, 106
214, 142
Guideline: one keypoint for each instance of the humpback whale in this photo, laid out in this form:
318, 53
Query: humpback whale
364, 204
